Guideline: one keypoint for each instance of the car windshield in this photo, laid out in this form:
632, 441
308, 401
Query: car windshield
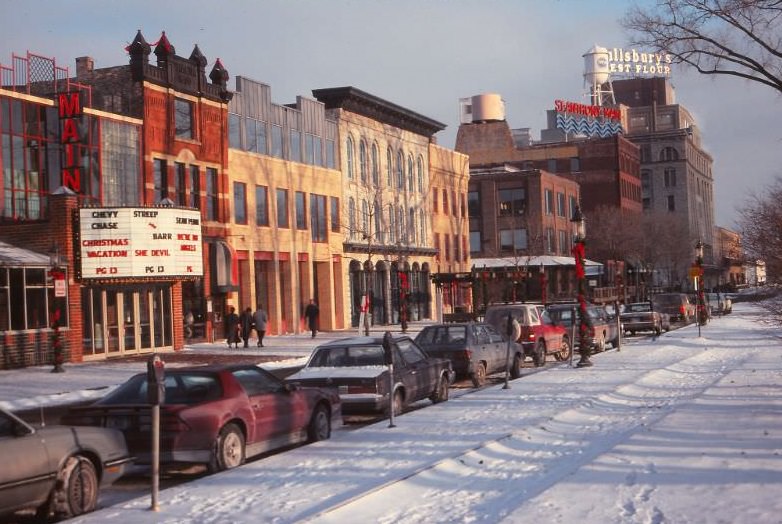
181, 388
347, 356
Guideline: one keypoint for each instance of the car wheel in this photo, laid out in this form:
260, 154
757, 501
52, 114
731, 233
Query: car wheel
440, 393
601, 344
320, 424
564, 350
229, 449
479, 375
515, 367
398, 403
76, 489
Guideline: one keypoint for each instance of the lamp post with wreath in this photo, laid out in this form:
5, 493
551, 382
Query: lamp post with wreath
57, 274
579, 254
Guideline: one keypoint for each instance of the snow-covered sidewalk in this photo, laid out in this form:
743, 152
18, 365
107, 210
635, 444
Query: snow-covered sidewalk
681, 429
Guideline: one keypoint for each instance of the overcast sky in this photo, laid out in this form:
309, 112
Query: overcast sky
421, 54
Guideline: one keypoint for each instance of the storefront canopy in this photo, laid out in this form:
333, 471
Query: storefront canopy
592, 268
13, 256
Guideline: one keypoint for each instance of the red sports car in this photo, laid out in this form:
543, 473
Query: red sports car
216, 415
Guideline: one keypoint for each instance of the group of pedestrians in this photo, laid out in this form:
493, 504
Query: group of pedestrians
240, 327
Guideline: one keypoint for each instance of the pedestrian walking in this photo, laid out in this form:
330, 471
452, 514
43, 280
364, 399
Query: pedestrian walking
311, 313
260, 318
232, 327
246, 325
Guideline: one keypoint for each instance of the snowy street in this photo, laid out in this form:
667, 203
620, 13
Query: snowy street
680, 429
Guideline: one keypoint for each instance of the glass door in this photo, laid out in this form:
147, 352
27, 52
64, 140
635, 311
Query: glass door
144, 313
113, 321
129, 315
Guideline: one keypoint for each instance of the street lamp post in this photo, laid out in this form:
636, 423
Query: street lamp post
542, 283
697, 275
580, 262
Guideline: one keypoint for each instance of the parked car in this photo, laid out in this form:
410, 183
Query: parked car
56, 470
719, 303
475, 349
603, 328
356, 365
677, 305
639, 316
217, 415
537, 334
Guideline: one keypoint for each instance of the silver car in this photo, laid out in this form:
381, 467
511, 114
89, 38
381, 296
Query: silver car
56, 470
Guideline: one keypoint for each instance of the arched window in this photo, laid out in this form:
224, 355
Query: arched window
390, 167
422, 225
401, 224
375, 165
669, 153
365, 219
379, 223
410, 184
420, 175
400, 170
351, 218
411, 222
349, 154
362, 160
391, 225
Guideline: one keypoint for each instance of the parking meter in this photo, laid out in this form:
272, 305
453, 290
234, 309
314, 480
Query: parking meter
388, 353
156, 387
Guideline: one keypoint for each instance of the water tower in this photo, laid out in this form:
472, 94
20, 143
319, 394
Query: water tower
597, 76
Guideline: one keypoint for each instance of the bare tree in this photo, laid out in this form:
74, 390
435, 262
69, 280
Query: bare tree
738, 38
760, 221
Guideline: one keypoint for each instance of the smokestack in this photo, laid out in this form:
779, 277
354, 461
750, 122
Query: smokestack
84, 65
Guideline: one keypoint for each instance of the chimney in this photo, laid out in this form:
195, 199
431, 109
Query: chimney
84, 65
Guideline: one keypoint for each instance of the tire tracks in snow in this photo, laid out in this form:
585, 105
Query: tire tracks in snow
517, 466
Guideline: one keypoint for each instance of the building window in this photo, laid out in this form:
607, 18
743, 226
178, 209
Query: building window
234, 131
180, 189
549, 197
445, 201
349, 156
378, 212
331, 161
160, 179
511, 202
194, 199
261, 206
561, 204
240, 203
564, 247
411, 225
318, 218
317, 154
513, 239
391, 224
454, 204
309, 148
670, 177
475, 241
211, 193
550, 247
389, 167
365, 221
410, 174
400, 170
375, 165
647, 203
422, 225
671, 203
438, 255
301, 210
575, 164
447, 247
276, 141
282, 208
120, 160
552, 165
362, 161
27, 298
295, 138
351, 218
474, 204
183, 118
435, 200
669, 154
420, 175
255, 135
335, 223
572, 203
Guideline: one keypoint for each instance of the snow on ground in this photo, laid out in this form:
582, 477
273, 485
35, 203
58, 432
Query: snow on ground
683, 429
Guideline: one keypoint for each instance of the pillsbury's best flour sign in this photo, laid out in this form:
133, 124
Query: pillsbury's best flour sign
634, 63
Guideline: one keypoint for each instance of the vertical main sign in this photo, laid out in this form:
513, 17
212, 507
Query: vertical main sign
70, 111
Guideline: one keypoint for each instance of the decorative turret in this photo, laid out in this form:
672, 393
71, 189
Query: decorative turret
139, 51
198, 58
219, 77
164, 49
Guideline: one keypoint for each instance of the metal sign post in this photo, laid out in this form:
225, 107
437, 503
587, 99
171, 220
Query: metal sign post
388, 355
509, 332
156, 393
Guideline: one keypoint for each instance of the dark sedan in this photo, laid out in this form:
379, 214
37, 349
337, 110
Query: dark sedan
56, 470
475, 349
357, 367
216, 415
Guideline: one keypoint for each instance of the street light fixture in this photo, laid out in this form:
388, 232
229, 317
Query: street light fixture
579, 254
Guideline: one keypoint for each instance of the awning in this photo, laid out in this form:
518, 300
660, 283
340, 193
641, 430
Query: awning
224, 267
13, 256
548, 261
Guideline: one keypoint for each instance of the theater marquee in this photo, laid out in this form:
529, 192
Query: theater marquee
139, 242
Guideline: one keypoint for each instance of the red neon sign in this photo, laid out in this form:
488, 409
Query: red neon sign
70, 111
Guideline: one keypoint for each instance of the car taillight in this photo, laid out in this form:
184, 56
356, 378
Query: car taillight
681, 309
463, 355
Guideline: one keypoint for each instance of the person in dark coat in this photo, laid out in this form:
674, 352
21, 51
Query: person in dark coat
311, 314
232, 327
246, 325
260, 318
